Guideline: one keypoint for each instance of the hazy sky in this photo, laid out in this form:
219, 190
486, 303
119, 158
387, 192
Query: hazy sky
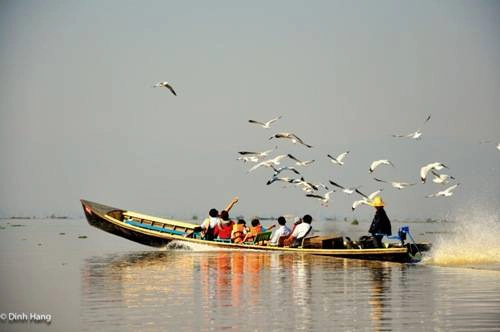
79, 117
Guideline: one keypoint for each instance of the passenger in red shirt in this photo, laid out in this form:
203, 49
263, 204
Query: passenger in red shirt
225, 226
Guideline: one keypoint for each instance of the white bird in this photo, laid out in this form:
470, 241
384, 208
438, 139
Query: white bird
267, 124
324, 199
427, 168
377, 163
306, 186
257, 154
285, 168
367, 199
397, 185
299, 162
339, 160
275, 178
441, 178
165, 85
268, 163
252, 159
357, 203
416, 134
445, 193
348, 191
294, 138
488, 141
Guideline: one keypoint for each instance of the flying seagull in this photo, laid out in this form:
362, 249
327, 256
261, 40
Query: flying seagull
415, 135
267, 124
306, 186
294, 138
441, 178
285, 168
427, 168
165, 85
397, 185
365, 200
339, 160
445, 193
324, 199
276, 178
245, 159
299, 162
357, 203
377, 163
268, 163
257, 154
348, 191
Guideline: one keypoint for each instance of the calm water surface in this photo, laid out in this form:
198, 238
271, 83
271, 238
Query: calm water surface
103, 282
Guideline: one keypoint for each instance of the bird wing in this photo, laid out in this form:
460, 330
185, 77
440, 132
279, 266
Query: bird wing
448, 190
359, 192
424, 170
379, 180
277, 159
315, 196
300, 140
341, 156
332, 158
373, 194
335, 184
427, 119
292, 157
268, 123
375, 165
171, 89
257, 166
247, 152
355, 204
257, 122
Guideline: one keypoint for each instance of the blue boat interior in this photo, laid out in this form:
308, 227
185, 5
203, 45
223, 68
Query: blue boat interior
155, 228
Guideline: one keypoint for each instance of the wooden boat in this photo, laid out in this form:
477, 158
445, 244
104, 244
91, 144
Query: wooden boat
158, 232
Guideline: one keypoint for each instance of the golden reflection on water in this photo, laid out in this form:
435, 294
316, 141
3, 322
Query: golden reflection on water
207, 284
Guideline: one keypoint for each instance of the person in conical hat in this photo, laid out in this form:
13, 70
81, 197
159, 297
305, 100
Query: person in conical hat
381, 225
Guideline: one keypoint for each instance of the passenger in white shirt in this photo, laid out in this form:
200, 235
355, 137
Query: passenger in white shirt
283, 230
300, 231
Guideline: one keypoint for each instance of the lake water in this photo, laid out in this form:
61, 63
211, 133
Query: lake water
103, 282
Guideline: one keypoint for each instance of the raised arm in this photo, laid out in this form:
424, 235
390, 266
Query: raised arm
231, 204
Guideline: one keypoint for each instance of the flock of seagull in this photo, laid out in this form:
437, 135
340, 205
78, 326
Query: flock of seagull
262, 159
313, 190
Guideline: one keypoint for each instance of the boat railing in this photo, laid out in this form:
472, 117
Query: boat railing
158, 224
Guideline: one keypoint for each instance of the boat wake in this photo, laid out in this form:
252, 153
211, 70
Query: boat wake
188, 246
475, 240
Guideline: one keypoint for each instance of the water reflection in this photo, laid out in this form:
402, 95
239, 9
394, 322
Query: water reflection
176, 290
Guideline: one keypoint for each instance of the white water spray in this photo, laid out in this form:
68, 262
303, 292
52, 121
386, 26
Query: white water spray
475, 240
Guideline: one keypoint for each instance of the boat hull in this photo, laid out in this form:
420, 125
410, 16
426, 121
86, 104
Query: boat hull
112, 220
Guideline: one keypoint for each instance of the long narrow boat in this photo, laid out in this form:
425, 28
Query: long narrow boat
158, 232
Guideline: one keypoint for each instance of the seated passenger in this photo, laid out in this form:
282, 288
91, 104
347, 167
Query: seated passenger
225, 226
283, 230
209, 225
239, 231
255, 229
301, 230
